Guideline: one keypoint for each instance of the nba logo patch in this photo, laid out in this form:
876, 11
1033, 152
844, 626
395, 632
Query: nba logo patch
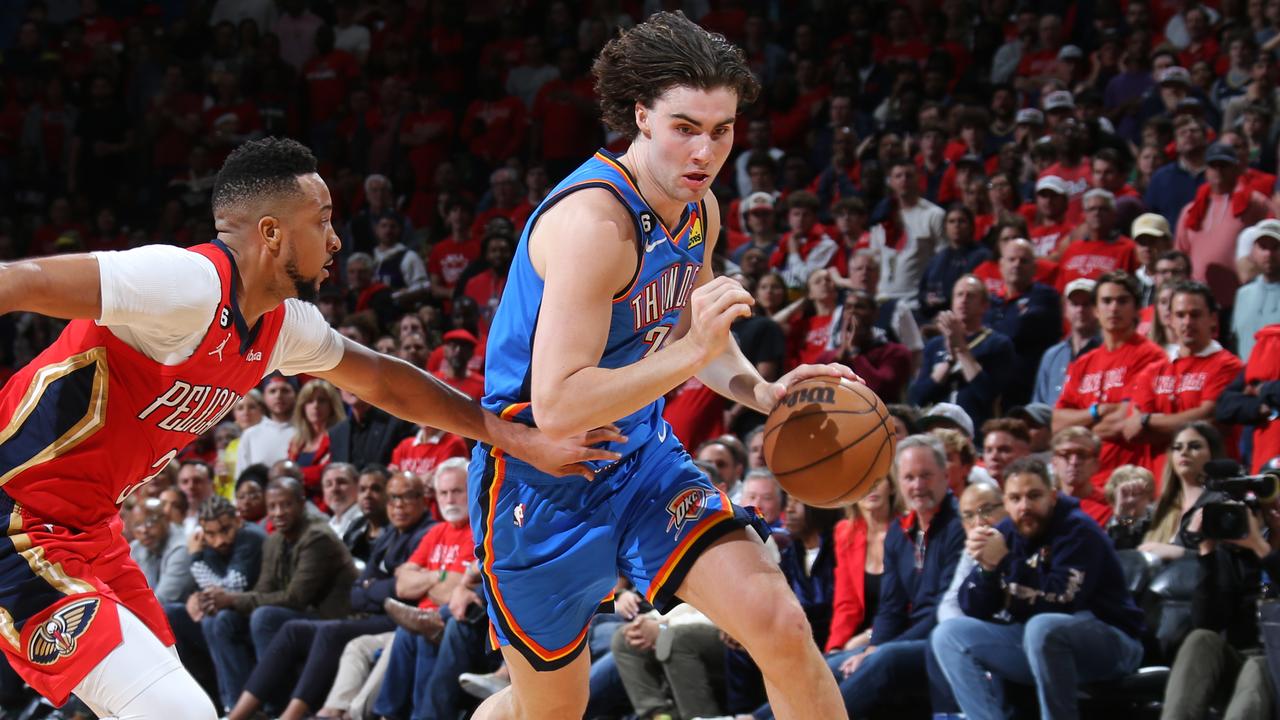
517, 515
56, 636
685, 508
695, 235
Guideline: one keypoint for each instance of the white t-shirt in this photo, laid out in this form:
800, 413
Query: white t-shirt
160, 300
266, 443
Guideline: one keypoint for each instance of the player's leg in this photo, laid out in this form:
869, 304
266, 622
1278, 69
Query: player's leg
141, 679
761, 612
536, 694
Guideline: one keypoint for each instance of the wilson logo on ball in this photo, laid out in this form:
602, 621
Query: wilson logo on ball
686, 508
821, 395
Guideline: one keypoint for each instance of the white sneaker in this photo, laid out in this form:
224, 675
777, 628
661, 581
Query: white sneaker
481, 686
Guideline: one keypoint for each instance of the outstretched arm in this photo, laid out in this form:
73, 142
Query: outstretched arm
62, 286
414, 395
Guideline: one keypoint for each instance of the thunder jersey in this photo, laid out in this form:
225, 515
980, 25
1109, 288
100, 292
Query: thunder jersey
91, 419
668, 261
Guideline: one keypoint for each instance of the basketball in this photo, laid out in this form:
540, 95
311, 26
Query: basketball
828, 441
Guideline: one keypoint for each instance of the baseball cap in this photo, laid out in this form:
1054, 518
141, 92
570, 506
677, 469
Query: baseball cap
1218, 152
1037, 414
947, 415
1053, 183
1029, 116
757, 201
1059, 100
1150, 224
1084, 284
461, 336
1267, 228
1175, 74
1070, 52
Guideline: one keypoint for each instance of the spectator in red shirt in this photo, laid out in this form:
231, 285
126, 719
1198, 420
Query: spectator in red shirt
422, 453
1096, 390
1103, 249
504, 195
485, 287
859, 548
1186, 386
327, 75
808, 320
451, 255
1109, 174
459, 345
564, 127
1038, 65
806, 247
1075, 462
494, 124
1047, 218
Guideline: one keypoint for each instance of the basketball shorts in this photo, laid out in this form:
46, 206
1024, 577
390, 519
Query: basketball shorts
59, 592
551, 549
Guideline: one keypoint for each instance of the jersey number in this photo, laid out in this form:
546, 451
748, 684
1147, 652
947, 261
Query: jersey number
654, 338
158, 466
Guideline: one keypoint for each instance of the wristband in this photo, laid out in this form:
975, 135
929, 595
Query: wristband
1093, 412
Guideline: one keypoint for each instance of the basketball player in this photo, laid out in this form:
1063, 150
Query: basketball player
610, 303
162, 344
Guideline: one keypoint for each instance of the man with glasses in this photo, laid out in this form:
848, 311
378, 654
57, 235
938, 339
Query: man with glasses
1103, 250
1075, 462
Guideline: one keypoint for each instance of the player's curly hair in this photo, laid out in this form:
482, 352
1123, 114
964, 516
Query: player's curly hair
665, 51
259, 168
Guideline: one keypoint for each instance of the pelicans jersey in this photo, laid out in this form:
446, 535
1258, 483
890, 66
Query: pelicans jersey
83, 426
550, 549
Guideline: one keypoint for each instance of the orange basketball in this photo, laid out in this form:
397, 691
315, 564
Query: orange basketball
828, 441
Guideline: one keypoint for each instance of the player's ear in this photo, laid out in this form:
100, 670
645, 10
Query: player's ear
642, 119
271, 232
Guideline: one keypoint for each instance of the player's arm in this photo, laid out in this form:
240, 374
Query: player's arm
414, 395
62, 286
730, 373
585, 250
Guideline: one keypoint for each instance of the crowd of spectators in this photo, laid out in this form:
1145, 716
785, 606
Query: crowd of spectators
1044, 232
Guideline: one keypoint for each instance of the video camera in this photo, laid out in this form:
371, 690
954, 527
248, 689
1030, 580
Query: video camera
1230, 520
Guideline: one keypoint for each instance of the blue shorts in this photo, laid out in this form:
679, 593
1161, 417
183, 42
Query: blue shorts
550, 551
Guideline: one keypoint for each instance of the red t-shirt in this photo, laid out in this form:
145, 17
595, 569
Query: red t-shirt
472, 385
1185, 383
444, 549
1045, 238
449, 258
327, 79
1096, 507
1040, 62
1093, 258
695, 412
808, 339
1106, 376
989, 273
418, 456
1264, 366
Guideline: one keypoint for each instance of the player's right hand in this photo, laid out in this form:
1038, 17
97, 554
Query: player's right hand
713, 309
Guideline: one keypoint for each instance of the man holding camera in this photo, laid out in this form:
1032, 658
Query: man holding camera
1053, 570
1220, 659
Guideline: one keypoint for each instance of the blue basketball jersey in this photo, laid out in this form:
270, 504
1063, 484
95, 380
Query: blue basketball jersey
644, 313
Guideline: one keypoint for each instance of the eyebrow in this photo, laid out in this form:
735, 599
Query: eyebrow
695, 123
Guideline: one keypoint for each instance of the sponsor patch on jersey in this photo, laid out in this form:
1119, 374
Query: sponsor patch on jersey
695, 235
686, 508
56, 636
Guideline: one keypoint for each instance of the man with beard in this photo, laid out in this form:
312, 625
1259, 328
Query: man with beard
1056, 574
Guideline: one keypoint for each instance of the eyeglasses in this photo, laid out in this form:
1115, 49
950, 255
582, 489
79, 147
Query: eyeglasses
407, 497
982, 513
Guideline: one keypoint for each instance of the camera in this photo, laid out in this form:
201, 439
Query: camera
1230, 520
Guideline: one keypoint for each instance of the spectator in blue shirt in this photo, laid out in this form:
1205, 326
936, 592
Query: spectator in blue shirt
1082, 317
961, 255
1057, 576
1029, 314
1174, 185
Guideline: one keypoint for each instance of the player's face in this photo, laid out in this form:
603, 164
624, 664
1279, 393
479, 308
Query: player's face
339, 490
372, 495
1116, 308
1029, 502
1074, 463
451, 496
310, 238
692, 132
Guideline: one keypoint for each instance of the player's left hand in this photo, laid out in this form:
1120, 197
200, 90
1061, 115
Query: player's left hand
768, 394
562, 457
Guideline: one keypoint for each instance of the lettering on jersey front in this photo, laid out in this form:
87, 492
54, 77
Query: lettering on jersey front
669, 291
1177, 384
188, 408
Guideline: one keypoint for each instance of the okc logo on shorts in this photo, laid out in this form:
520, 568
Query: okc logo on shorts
686, 508
55, 638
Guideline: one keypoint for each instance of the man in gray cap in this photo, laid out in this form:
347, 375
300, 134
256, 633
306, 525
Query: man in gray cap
1080, 313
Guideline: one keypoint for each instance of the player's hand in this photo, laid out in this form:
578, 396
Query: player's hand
561, 457
769, 393
713, 309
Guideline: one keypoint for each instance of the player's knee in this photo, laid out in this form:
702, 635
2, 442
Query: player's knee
176, 695
783, 630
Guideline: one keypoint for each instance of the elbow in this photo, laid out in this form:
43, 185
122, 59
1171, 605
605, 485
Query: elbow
553, 415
